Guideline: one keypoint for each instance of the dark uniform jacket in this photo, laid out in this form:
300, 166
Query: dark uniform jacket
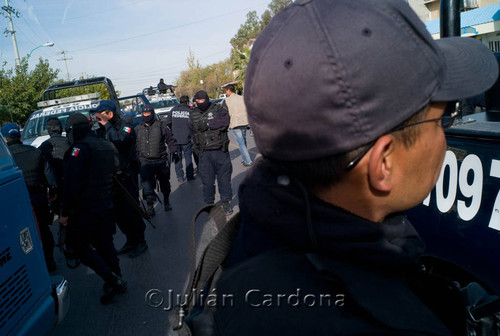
121, 134
362, 278
180, 123
209, 128
37, 171
54, 149
152, 141
89, 166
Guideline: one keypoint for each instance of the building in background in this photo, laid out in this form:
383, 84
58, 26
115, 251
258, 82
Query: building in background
479, 19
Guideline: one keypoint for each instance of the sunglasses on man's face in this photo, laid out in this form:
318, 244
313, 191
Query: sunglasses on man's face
449, 115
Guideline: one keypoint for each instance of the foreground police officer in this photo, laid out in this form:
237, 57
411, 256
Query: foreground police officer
38, 175
54, 149
153, 137
120, 132
323, 248
208, 124
86, 205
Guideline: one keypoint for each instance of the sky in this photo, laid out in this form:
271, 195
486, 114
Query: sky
134, 43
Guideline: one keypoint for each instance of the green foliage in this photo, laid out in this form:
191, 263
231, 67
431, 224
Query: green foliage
82, 90
213, 76
20, 90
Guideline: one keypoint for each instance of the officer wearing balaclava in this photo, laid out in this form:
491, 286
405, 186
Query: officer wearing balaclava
153, 138
86, 205
208, 124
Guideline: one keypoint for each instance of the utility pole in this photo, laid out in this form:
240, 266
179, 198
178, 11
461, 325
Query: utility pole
64, 58
12, 32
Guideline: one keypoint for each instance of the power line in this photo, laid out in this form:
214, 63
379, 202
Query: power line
163, 30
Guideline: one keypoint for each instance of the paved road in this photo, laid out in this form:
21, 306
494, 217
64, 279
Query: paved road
163, 267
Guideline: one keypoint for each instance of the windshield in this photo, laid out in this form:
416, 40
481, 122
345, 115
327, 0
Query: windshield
37, 123
164, 103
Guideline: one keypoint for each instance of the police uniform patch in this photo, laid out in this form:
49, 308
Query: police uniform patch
75, 152
127, 129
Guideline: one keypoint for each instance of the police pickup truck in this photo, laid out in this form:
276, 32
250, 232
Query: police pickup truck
163, 104
35, 131
31, 302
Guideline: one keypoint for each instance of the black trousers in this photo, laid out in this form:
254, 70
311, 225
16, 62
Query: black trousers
130, 222
90, 234
44, 218
216, 164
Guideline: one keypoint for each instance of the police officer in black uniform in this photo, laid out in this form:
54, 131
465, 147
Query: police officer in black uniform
89, 165
121, 133
53, 149
153, 136
180, 129
209, 123
39, 176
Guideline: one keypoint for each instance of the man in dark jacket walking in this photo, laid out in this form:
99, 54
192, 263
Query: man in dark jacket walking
39, 177
153, 138
120, 132
180, 130
87, 207
208, 124
323, 248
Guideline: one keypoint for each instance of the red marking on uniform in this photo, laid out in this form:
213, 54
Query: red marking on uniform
127, 129
75, 151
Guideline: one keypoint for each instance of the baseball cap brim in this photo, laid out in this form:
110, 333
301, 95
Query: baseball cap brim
471, 69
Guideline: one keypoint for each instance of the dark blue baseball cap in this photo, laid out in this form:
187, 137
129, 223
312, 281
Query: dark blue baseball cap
104, 105
11, 131
350, 71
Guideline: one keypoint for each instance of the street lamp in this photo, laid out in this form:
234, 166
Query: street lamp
48, 44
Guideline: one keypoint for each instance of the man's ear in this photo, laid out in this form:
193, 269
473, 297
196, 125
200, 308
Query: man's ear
380, 165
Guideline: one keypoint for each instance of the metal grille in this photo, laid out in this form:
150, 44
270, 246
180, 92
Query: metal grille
14, 293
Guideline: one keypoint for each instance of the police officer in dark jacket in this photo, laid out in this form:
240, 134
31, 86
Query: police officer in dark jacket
87, 206
162, 87
324, 247
208, 124
180, 129
121, 133
53, 149
39, 176
153, 137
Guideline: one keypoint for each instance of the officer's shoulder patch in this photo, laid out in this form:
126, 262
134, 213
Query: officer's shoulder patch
75, 152
127, 129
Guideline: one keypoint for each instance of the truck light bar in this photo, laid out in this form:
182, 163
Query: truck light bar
66, 100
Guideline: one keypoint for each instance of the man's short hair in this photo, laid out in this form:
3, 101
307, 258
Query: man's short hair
230, 87
184, 100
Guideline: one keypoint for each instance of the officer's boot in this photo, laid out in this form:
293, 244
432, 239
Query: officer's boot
151, 207
120, 286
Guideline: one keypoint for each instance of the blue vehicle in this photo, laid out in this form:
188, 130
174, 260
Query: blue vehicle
31, 302
460, 219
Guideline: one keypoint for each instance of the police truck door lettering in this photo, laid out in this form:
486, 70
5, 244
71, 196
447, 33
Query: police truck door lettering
75, 152
495, 215
460, 188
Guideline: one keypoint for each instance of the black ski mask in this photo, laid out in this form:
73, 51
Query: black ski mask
77, 127
202, 95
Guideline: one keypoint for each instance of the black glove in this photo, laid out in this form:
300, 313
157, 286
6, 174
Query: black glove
175, 157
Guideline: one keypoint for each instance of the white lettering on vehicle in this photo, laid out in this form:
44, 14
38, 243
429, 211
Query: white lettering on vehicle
469, 180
